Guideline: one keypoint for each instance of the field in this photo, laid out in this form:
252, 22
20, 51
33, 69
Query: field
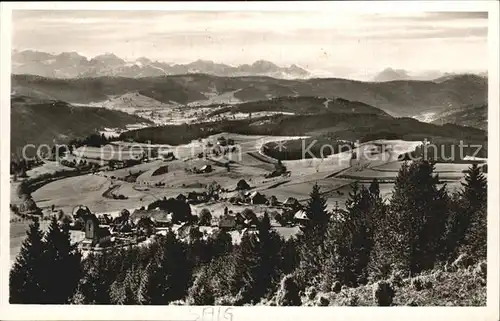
106, 152
333, 174
47, 168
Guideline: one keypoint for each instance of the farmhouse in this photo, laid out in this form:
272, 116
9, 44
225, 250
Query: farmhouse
181, 197
169, 156
145, 226
242, 185
116, 164
227, 222
63, 217
257, 198
160, 218
221, 141
273, 201
182, 231
291, 202
249, 217
206, 169
96, 234
195, 197
250, 231
105, 219
123, 223
301, 217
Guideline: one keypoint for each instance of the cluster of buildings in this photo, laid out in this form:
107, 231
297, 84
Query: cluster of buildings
128, 228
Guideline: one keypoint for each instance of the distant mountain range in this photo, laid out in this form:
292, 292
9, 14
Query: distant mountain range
390, 74
74, 65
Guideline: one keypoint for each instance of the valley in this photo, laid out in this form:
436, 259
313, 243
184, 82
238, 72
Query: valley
136, 112
398, 98
334, 174
172, 155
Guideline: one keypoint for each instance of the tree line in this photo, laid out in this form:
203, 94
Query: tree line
421, 227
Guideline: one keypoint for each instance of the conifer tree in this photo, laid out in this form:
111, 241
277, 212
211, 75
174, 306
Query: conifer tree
377, 265
201, 292
25, 281
475, 243
349, 239
253, 269
171, 271
125, 289
466, 206
475, 188
316, 209
220, 243
270, 244
418, 215
99, 272
290, 255
61, 265
221, 272
247, 262
264, 224
375, 188
359, 221
313, 236
472, 220
458, 222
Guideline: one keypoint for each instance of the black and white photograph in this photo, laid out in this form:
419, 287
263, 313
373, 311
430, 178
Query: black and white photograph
250, 157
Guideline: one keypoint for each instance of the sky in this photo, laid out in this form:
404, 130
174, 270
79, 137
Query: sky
343, 44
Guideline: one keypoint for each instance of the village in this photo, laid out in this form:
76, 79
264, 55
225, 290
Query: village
208, 207
102, 231
224, 181
248, 158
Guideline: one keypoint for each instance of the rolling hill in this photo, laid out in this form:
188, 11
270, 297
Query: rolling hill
131, 102
35, 121
398, 98
390, 74
303, 105
472, 116
344, 125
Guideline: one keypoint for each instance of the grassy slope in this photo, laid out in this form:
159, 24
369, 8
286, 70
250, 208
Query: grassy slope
346, 126
303, 105
41, 122
396, 97
279, 125
86, 90
472, 116
461, 288
412, 129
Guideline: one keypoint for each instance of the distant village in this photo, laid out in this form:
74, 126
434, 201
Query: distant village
129, 228
104, 231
